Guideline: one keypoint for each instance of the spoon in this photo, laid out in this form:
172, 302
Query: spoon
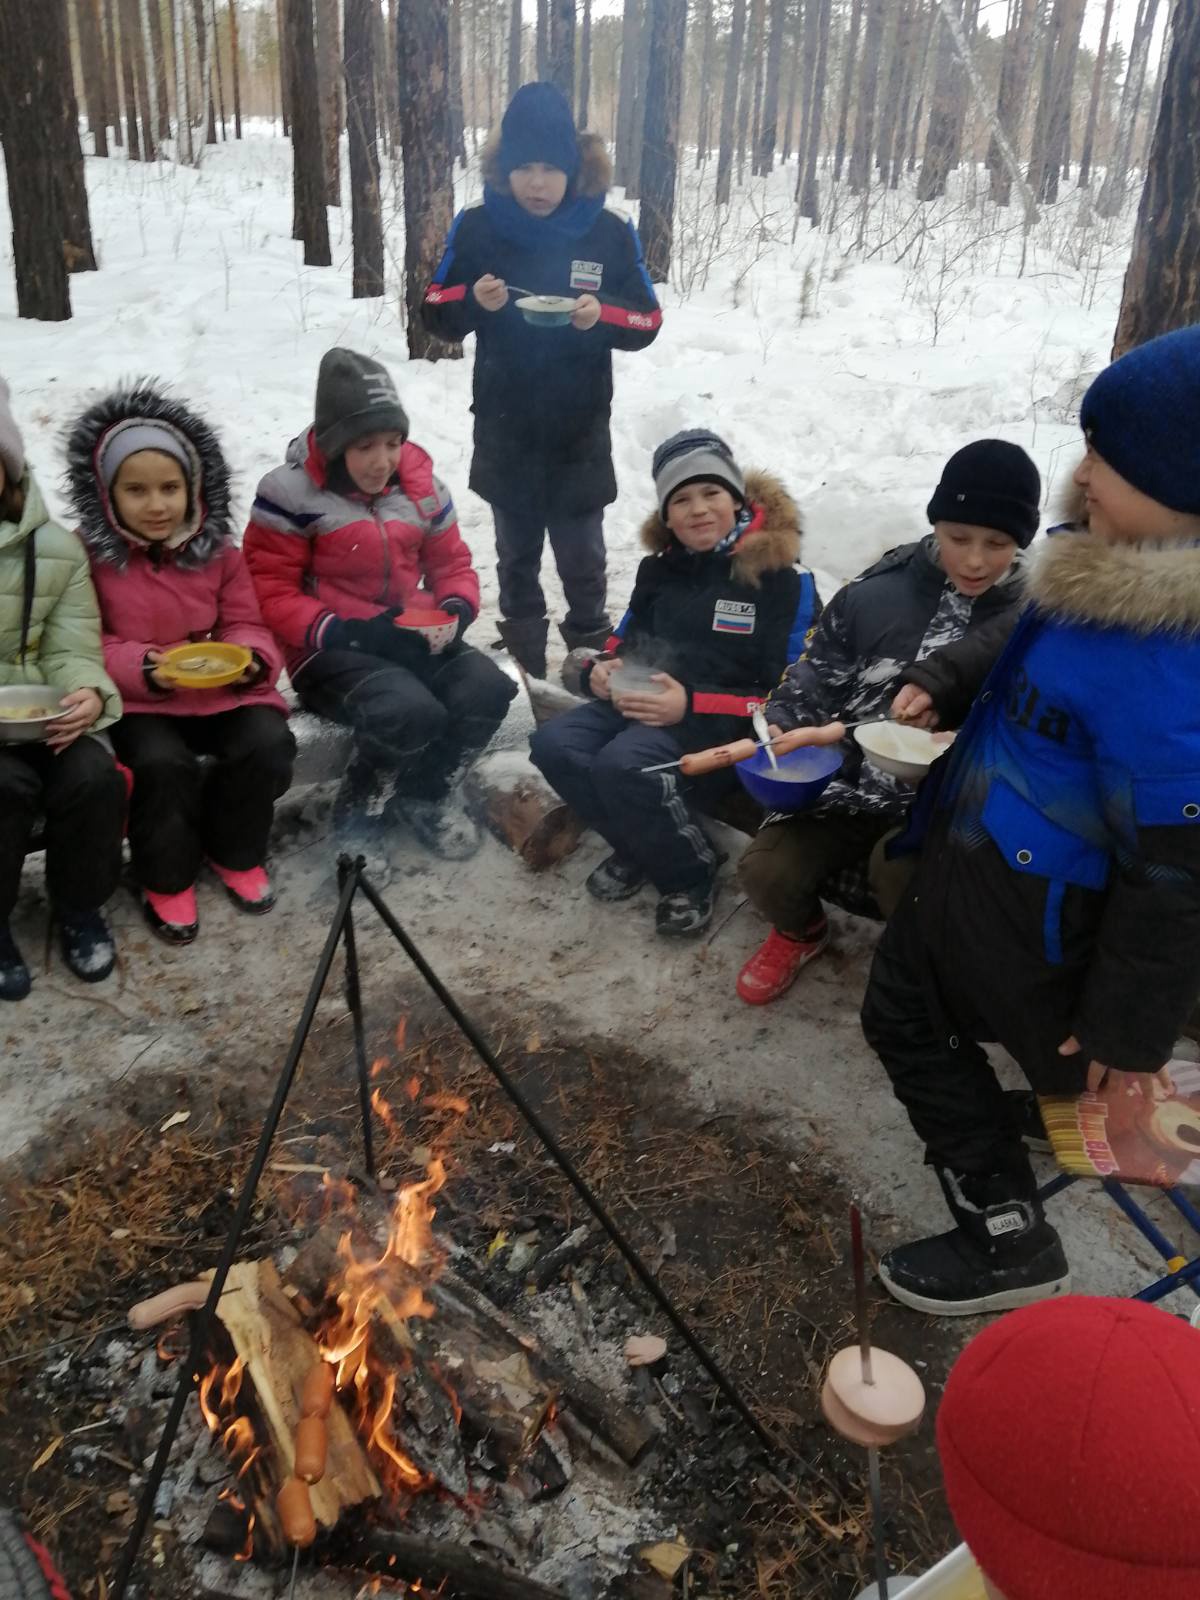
763, 734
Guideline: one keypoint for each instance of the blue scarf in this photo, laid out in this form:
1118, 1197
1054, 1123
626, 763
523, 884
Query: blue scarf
571, 221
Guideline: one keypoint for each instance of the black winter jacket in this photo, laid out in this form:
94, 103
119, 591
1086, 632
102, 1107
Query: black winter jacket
723, 625
902, 609
542, 396
954, 675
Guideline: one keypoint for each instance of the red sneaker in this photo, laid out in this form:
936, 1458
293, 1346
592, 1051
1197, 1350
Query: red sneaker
250, 890
772, 969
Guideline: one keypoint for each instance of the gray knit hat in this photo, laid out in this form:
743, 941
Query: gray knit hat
355, 396
12, 446
134, 434
696, 455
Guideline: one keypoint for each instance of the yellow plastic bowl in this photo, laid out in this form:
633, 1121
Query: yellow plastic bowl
210, 664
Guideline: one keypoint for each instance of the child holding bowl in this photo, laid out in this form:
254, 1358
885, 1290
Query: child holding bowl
50, 638
150, 490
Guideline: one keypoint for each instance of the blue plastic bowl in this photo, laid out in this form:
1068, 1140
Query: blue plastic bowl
813, 766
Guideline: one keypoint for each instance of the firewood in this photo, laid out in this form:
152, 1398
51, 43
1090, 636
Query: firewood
510, 798
266, 1332
434, 1562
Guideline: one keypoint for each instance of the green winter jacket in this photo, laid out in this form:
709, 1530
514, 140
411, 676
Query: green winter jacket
63, 644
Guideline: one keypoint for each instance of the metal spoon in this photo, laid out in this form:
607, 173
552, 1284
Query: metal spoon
762, 733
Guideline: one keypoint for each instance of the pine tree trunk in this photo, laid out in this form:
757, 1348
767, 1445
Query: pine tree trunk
148, 76
514, 47
814, 100
362, 131
393, 76
236, 66
112, 92
423, 34
308, 156
859, 175
768, 128
749, 80
1093, 115
912, 69
637, 132
183, 126
543, 39
729, 100
585, 66
1043, 180
940, 141
789, 116
627, 102
218, 71
848, 66
458, 141
128, 81
660, 152
329, 85
921, 82
94, 72
204, 49
758, 13
30, 92
562, 47
704, 106
285, 88
162, 77
134, 48
1116, 179
1162, 284
893, 85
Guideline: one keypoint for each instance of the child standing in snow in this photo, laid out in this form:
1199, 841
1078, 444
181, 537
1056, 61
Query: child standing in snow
1054, 1422
1056, 906
915, 600
150, 489
350, 531
542, 396
50, 634
716, 610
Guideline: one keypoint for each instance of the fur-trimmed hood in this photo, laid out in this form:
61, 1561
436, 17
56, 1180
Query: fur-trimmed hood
1149, 587
593, 179
770, 543
208, 526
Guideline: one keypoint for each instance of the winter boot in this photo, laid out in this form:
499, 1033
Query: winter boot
686, 912
773, 968
583, 645
173, 917
525, 641
362, 797
445, 827
250, 890
15, 982
614, 879
1027, 1119
87, 945
1003, 1253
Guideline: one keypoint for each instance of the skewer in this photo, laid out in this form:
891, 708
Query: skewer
862, 1323
295, 1569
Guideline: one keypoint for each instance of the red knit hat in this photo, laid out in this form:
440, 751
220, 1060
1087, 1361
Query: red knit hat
1070, 1442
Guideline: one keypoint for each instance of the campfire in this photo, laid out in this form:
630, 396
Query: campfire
375, 1408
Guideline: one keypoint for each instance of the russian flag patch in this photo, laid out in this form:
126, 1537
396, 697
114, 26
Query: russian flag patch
733, 616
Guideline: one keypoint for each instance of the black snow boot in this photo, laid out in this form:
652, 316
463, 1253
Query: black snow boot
444, 826
525, 641
361, 798
686, 912
1027, 1119
1003, 1253
87, 945
15, 982
614, 879
593, 638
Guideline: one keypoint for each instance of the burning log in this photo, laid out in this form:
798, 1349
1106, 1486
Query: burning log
277, 1356
514, 802
435, 1563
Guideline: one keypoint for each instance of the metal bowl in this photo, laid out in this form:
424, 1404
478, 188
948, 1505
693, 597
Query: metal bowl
27, 697
803, 776
547, 310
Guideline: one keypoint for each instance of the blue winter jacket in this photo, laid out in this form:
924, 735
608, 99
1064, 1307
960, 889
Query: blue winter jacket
1061, 879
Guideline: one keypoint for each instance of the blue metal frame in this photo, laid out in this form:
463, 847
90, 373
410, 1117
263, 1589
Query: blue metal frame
1185, 1277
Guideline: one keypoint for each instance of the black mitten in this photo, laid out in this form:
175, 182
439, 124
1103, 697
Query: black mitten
374, 636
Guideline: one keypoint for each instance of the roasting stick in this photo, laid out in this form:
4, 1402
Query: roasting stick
727, 755
871, 1398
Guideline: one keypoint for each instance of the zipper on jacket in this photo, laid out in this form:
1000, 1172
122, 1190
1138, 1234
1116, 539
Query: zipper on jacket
387, 552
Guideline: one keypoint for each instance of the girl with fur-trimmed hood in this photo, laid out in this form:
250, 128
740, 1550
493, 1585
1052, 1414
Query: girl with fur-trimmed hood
718, 609
1056, 905
50, 640
542, 395
150, 489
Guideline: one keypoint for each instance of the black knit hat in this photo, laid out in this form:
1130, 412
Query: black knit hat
355, 396
990, 484
697, 455
538, 126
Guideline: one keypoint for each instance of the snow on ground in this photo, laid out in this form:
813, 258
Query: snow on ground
817, 364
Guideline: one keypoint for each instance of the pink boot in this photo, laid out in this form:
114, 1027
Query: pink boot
249, 890
173, 917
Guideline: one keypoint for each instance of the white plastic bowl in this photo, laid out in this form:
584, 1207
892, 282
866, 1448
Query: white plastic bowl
26, 697
904, 753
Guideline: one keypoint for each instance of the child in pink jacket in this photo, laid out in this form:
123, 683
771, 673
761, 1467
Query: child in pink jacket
150, 488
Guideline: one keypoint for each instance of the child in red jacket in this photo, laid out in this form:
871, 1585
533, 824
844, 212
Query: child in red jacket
150, 488
353, 529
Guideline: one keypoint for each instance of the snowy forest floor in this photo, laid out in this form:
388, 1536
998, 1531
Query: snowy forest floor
851, 372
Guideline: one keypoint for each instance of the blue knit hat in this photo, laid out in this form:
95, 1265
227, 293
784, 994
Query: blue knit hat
538, 126
1142, 416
